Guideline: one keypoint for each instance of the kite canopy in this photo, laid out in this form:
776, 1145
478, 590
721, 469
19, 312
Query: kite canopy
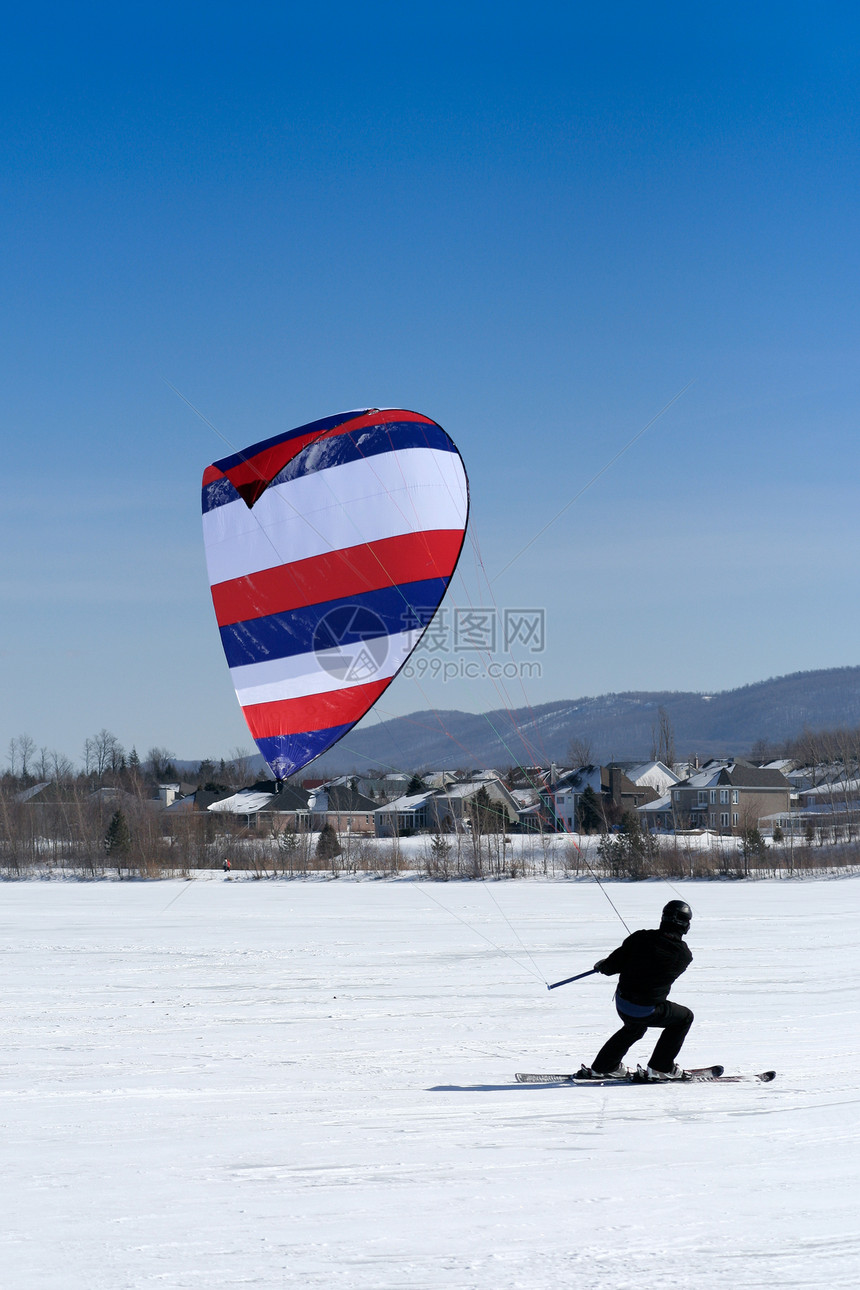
329, 550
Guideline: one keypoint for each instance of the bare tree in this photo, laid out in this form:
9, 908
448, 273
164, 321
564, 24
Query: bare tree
26, 752
61, 767
807, 749
159, 762
579, 751
762, 750
102, 752
240, 768
663, 739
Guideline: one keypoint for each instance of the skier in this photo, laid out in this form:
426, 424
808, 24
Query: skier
648, 962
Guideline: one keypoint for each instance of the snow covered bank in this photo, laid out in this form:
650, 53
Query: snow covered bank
311, 1084
697, 854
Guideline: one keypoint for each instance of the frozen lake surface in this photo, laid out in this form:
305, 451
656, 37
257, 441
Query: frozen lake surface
310, 1084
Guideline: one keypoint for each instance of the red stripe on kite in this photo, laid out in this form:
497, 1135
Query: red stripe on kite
312, 711
388, 562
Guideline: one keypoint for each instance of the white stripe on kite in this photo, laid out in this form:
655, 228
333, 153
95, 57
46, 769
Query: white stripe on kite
358, 663
363, 501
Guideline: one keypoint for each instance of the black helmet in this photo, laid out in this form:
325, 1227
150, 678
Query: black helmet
676, 917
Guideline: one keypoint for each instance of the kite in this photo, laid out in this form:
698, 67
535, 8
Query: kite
329, 549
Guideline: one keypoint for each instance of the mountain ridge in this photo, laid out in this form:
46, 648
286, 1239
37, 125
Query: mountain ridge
615, 726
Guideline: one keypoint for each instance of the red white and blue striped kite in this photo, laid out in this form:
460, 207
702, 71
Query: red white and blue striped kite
329, 550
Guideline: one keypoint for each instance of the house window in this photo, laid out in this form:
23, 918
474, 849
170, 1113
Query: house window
734, 797
724, 798
724, 819
713, 796
703, 797
735, 817
712, 819
677, 796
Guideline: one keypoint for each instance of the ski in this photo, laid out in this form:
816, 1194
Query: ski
697, 1075
758, 1077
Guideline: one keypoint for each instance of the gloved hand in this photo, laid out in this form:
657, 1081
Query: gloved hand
599, 964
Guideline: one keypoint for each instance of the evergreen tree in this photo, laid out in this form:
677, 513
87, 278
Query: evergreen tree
118, 837
486, 815
590, 812
205, 772
327, 844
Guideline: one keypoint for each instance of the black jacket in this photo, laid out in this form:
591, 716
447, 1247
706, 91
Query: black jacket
648, 962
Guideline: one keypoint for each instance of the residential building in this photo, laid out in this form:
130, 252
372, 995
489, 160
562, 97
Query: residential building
729, 797
267, 808
412, 813
448, 809
343, 807
616, 792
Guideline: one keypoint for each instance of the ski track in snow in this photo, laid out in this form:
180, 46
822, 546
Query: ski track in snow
290, 1084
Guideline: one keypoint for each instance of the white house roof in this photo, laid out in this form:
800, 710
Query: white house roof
438, 778
707, 778
246, 802
838, 789
32, 791
653, 774
524, 796
659, 804
463, 790
411, 802
577, 781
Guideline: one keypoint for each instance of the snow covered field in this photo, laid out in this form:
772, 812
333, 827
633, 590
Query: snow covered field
310, 1084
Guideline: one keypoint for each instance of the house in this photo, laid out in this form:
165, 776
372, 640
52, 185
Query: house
839, 794
267, 807
199, 799
652, 774
455, 803
658, 816
382, 788
616, 792
729, 796
412, 813
341, 805
449, 809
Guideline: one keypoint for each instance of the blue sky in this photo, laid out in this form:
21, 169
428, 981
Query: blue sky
536, 224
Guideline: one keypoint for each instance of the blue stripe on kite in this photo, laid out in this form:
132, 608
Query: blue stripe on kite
219, 493
312, 427
355, 445
394, 436
286, 754
333, 623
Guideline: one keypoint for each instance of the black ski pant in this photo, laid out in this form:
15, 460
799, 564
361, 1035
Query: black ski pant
673, 1019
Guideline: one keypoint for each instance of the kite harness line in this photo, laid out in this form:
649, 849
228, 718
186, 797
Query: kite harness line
533, 970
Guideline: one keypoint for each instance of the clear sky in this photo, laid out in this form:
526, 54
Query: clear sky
534, 223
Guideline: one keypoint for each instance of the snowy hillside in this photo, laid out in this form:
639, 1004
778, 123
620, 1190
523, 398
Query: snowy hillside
310, 1084
614, 725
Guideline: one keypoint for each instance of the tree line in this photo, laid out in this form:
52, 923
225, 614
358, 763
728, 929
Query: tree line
106, 763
